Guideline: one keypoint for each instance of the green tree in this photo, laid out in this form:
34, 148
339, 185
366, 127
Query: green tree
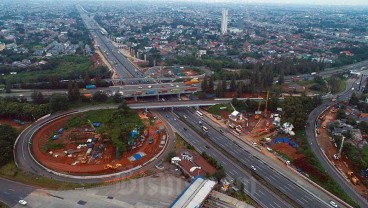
8, 87
58, 102
240, 88
170, 155
354, 100
219, 174
73, 92
233, 84
99, 97
37, 97
204, 84
86, 80
219, 90
211, 85
8, 136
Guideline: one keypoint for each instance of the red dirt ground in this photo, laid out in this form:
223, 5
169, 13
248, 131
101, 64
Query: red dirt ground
96, 166
287, 150
16, 125
343, 164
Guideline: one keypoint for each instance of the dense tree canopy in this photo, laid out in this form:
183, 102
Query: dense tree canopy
8, 136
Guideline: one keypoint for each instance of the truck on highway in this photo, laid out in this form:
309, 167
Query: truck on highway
151, 92
138, 92
164, 90
90, 86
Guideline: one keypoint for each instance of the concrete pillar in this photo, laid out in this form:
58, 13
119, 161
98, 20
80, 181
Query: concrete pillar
145, 110
145, 57
197, 107
137, 55
135, 98
158, 97
172, 109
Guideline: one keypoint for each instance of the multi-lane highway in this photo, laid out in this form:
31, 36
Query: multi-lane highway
121, 64
301, 196
312, 139
261, 194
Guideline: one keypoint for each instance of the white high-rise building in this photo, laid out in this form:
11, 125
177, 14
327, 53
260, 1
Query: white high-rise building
224, 21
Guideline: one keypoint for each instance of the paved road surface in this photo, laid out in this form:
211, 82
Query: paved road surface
26, 163
261, 194
331, 170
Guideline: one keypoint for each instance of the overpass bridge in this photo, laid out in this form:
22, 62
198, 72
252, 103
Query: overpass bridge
176, 104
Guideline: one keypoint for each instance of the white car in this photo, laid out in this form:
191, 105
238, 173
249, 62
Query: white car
332, 203
22, 202
171, 85
139, 87
352, 89
253, 168
149, 86
177, 85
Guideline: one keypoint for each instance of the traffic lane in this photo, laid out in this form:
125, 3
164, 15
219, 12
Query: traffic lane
255, 189
11, 192
286, 186
25, 161
231, 170
310, 131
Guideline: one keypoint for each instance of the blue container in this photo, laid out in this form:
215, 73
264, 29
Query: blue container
90, 86
60, 131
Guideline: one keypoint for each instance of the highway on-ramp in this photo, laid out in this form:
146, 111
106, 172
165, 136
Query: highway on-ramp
25, 161
312, 139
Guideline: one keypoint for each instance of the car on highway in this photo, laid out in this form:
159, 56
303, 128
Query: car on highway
163, 86
185, 129
140, 87
22, 202
177, 85
149, 86
171, 85
207, 146
221, 131
332, 203
352, 89
185, 116
253, 168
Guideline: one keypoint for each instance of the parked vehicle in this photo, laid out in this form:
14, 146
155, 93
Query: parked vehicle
90, 86
151, 92
138, 92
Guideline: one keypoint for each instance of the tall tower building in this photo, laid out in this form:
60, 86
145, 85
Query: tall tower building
224, 21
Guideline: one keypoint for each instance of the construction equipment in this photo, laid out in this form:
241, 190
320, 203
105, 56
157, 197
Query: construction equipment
108, 166
265, 110
256, 113
338, 154
353, 178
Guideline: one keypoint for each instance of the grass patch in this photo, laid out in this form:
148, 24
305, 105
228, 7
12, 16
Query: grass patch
67, 67
215, 109
180, 143
317, 173
305, 83
239, 195
342, 85
11, 172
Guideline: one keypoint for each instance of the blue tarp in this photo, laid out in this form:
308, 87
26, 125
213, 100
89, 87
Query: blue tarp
134, 134
90, 145
60, 131
96, 124
286, 140
137, 156
293, 144
56, 137
278, 140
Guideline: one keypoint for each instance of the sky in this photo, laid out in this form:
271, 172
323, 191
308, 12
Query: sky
315, 2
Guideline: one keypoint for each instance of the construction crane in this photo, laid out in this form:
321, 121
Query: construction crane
257, 113
265, 110
338, 154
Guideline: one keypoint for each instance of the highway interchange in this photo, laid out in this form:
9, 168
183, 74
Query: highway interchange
303, 196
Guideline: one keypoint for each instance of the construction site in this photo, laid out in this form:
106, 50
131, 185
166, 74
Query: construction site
262, 129
83, 151
333, 149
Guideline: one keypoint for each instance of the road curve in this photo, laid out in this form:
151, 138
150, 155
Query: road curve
27, 163
331, 170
